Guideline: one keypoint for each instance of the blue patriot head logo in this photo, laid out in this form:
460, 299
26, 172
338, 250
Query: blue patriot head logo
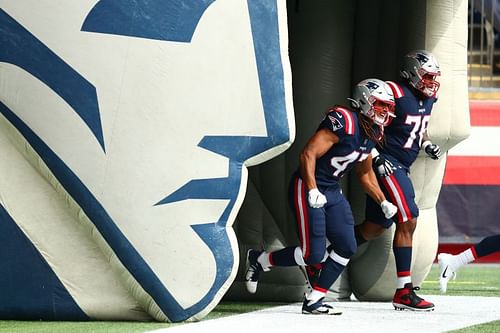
421, 58
147, 113
371, 85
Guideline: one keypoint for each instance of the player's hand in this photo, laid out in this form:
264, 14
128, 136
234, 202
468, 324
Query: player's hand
316, 198
388, 209
432, 150
382, 166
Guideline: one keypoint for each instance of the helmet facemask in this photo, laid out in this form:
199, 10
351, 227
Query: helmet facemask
428, 84
374, 100
382, 112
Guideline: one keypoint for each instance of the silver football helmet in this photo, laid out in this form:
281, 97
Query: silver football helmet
421, 69
374, 99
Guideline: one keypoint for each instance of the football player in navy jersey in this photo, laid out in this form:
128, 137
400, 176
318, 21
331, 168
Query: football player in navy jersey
343, 140
415, 95
449, 264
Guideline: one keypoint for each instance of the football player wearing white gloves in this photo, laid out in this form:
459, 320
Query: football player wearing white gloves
316, 199
405, 136
342, 141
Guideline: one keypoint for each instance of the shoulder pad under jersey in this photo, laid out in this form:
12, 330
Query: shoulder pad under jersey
396, 89
341, 118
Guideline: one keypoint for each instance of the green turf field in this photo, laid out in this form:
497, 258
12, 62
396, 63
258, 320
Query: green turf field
473, 280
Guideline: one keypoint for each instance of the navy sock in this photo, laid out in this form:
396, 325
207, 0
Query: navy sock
403, 260
329, 273
284, 257
488, 245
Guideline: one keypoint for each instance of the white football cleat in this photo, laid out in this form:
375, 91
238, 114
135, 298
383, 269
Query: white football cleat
447, 270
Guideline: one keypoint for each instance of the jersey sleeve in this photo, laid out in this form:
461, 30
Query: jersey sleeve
339, 121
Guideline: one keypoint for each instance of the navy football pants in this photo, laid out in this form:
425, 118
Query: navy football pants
334, 222
398, 189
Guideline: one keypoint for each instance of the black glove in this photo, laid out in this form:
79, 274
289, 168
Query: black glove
382, 166
432, 150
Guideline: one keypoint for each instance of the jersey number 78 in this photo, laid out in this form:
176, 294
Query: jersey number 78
419, 126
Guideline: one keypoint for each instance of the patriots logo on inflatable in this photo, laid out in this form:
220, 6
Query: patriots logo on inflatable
143, 116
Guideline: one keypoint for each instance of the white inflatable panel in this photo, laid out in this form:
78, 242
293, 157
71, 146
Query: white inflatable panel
44, 218
145, 114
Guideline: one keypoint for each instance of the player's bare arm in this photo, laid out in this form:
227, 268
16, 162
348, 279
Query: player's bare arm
316, 147
368, 180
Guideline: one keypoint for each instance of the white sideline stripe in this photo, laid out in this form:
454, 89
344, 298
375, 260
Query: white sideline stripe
483, 141
396, 195
302, 219
452, 312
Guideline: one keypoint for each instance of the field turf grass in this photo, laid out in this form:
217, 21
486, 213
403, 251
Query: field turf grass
472, 280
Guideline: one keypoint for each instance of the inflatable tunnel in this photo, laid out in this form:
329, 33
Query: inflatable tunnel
131, 131
126, 131
333, 45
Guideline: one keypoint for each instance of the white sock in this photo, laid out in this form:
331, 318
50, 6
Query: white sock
299, 256
315, 295
264, 261
463, 258
402, 280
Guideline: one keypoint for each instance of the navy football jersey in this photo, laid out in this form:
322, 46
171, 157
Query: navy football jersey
352, 146
403, 136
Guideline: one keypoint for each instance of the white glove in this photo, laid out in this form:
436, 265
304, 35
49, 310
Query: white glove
388, 209
316, 198
432, 150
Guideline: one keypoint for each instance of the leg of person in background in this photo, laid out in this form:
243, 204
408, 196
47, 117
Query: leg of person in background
367, 231
449, 264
